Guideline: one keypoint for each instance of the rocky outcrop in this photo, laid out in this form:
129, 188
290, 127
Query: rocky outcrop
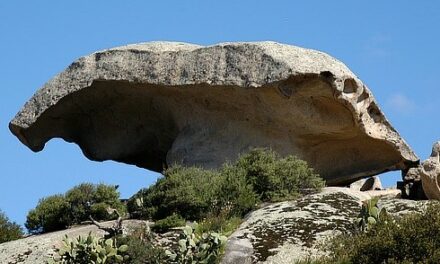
428, 173
367, 184
276, 233
160, 103
290, 231
38, 249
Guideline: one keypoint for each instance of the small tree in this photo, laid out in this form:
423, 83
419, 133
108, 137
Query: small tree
51, 214
60, 211
91, 199
9, 230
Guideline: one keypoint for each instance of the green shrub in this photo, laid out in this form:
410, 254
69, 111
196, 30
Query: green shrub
235, 195
275, 178
100, 211
414, 238
9, 230
90, 249
163, 225
219, 224
51, 214
93, 199
79, 199
142, 205
188, 192
194, 248
60, 211
143, 252
141, 249
194, 193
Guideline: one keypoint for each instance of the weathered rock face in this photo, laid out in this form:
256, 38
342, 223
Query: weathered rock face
367, 184
159, 103
283, 233
428, 173
38, 249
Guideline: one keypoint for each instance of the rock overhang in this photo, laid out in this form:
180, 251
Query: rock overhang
159, 103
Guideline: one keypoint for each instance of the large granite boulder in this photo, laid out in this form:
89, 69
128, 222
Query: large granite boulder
160, 103
286, 232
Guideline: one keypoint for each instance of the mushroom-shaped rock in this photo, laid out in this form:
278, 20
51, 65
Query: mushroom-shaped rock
160, 103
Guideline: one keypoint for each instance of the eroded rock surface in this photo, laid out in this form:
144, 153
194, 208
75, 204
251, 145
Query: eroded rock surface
38, 249
428, 173
159, 103
289, 231
367, 184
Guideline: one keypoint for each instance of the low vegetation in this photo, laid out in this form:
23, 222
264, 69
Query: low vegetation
370, 214
9, 230
215, 200
141, 248
90, 249
57, 212
195, 193
195, 248
167, 223
414, 238
138, 248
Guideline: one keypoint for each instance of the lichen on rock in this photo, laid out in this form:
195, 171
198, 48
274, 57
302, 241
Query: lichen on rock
295, 230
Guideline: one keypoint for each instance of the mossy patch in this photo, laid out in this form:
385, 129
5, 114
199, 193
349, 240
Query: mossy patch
300, 222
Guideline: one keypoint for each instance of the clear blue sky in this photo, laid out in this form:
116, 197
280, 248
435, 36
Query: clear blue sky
393, 46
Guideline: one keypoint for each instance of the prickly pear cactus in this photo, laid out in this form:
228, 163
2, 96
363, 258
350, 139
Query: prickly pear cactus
194, 248
370, 214
91, 250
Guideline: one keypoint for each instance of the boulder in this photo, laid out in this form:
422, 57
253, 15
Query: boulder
286, 232
160, 103
38, 249
428, 173
367, 184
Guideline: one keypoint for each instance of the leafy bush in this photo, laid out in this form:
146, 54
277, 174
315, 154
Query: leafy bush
90, 249
219, 224
188, 192
193, 193
167, 223
60, 211
275, 178
51, 214
9, 230
193, 248
414, 238
141, 249
235, 195
90, 199
79, 199
142, 205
